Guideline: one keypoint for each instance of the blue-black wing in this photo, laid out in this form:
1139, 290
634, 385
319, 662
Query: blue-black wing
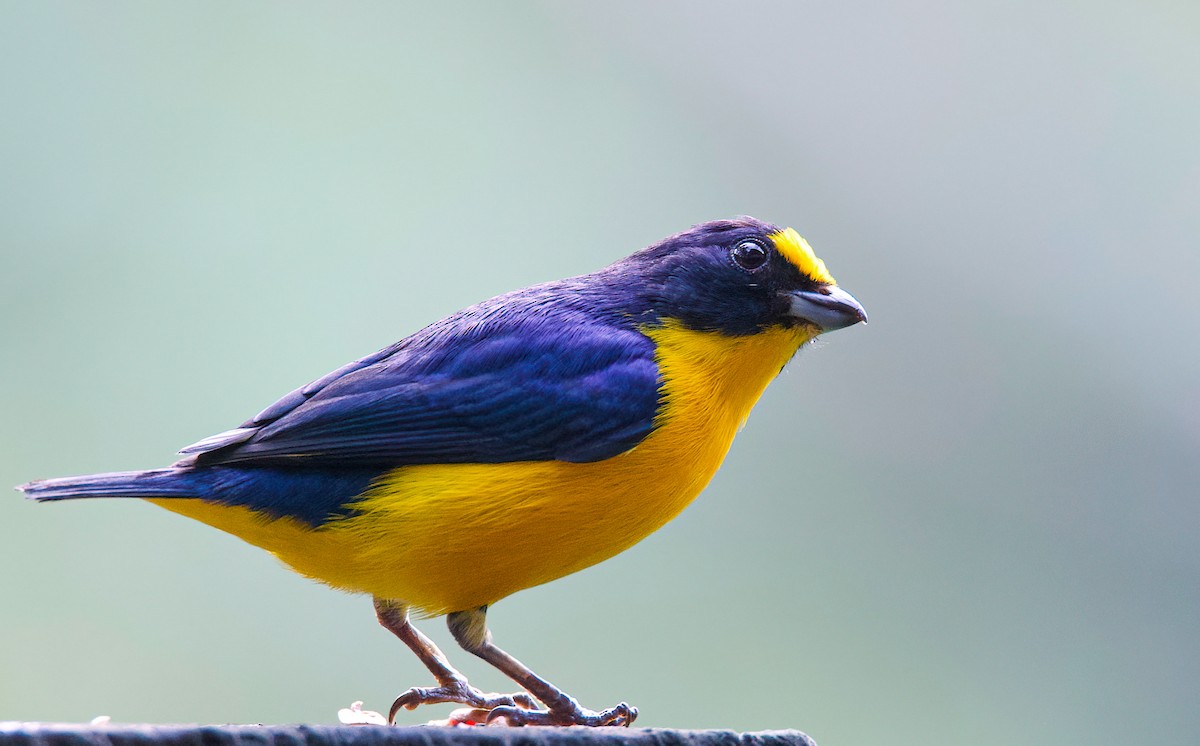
510, 382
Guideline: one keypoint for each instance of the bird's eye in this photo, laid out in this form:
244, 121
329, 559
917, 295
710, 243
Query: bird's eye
749, 255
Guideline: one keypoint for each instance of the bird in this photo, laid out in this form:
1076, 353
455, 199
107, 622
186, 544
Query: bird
509, 444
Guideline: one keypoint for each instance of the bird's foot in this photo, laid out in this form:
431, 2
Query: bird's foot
569, 713
460, 692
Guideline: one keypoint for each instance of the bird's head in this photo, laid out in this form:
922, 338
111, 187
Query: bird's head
737, 277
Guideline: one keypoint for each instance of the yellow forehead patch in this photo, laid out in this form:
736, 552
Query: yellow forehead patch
796, 250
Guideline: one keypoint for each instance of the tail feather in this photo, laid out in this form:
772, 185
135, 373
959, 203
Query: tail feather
153, 483
312, 496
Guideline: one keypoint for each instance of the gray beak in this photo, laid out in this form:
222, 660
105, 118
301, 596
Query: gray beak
831, 308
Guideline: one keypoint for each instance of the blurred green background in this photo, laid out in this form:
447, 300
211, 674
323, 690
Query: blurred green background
973, 521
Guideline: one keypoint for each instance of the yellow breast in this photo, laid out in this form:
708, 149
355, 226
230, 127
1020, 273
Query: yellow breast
447, 537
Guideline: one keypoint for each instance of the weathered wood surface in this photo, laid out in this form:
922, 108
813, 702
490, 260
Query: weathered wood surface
55, 734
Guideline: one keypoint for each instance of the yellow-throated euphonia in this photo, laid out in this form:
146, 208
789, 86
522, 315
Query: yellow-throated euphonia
512, 443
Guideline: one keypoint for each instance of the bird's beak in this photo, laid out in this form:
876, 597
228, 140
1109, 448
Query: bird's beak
830, 308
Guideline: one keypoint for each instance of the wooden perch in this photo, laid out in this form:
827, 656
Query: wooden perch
55, 734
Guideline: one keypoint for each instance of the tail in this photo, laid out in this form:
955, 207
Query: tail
153, 483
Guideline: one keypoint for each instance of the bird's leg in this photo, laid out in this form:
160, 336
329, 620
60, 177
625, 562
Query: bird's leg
452, 685
470, 630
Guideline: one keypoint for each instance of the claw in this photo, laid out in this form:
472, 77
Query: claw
459, 692
622, 715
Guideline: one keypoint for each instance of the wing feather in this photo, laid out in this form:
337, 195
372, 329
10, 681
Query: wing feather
483, 386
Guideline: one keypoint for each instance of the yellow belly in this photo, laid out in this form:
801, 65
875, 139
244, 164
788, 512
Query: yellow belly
448, 537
